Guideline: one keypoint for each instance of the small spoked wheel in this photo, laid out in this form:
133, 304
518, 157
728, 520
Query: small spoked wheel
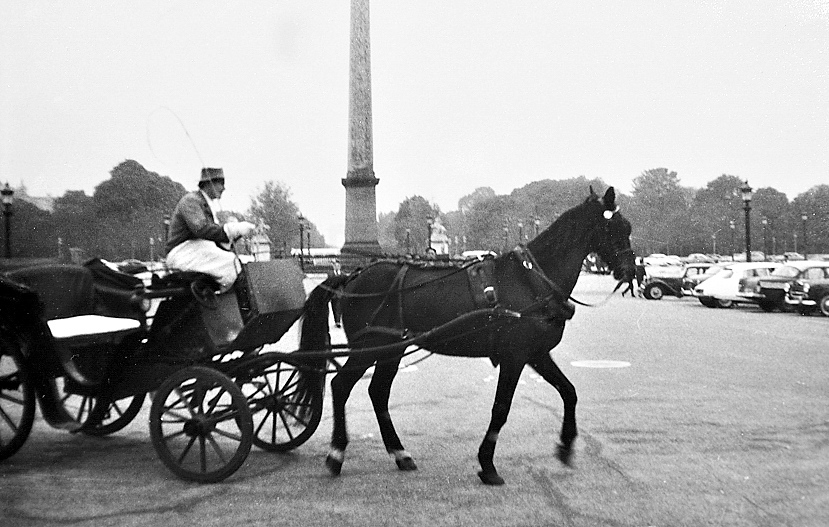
286, 404
200, 425
84, 409
17, 400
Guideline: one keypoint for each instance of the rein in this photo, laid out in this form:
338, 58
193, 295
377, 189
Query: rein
531, 265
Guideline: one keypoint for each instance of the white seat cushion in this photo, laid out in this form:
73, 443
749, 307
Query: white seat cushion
62, 328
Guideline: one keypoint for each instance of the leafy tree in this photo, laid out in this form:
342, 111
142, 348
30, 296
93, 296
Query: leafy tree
772, 206
714, 209
659, 210
74, 220
814, 204
274, 207
32, 232
411, 226
130, 209
385, 233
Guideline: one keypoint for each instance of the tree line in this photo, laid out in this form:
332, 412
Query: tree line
124, 218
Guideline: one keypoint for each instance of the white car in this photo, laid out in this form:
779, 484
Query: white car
722, 289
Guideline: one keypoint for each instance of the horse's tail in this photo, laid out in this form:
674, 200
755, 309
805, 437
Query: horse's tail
314, 336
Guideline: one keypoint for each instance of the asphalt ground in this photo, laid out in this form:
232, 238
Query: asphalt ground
687, 415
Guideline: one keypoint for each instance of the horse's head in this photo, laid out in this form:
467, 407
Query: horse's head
612, 240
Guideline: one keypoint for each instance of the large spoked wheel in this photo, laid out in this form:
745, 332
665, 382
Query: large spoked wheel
200, 425
17, 400
286, 407
115, 417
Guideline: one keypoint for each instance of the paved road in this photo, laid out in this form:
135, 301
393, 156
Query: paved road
721, 418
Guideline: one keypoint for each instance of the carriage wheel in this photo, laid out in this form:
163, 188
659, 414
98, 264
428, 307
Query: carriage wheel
17, 400
118, 415
282, 418
200, 425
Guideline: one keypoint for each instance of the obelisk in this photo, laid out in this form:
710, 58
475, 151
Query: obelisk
359, 183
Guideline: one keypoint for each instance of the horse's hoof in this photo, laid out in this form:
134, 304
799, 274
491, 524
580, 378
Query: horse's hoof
564, 454
334, 465
490, 478
406, 464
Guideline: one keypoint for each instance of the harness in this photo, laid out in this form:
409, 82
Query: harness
549, 301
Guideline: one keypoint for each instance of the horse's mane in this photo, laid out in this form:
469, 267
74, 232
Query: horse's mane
561, 247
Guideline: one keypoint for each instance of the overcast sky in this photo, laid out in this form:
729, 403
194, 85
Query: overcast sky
466, 93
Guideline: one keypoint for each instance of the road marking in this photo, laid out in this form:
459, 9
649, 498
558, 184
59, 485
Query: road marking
600, 364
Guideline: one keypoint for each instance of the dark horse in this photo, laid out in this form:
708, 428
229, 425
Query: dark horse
511, 308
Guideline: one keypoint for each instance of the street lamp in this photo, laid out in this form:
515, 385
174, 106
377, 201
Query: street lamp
429, 221
805, 247
506, 236
746, 192
301, 219
8, 199
520, 232
408, 241
765, 239
733, 228
166, 222
537, 223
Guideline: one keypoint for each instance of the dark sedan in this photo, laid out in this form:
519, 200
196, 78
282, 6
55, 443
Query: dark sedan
677, 282
774, 288
811, 292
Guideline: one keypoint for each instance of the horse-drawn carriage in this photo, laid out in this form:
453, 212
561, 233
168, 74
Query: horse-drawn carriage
215, 391
79, 341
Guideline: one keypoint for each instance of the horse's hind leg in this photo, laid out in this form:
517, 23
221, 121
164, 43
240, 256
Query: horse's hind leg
507, 381
549, 371
380, 390
341, 386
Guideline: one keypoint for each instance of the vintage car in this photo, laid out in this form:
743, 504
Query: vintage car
675, 281
809, 294
772, 290
732, 283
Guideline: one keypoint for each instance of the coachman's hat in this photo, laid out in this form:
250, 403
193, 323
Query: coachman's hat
211, 174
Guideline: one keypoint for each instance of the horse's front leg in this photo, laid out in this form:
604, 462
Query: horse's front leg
380, 390
550, 372
341, 386
507, 381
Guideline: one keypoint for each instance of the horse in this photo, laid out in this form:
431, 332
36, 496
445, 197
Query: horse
511, 308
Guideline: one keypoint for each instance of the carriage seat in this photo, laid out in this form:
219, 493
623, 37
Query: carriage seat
67, 296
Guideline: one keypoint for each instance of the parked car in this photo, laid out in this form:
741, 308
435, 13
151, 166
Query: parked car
810, 293
772, 290
679, 281
724, 288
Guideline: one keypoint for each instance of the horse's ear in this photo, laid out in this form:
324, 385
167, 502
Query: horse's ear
610, 199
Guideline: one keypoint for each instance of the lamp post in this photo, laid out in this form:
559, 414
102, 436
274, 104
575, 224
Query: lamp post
733, 228
429, 221
408, 241
8, 199
520, 232
506, 236
166, 222
804, 217
537, 223
301, 219
746, 192
765, 239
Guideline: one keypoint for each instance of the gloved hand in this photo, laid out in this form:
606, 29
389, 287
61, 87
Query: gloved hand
237, 229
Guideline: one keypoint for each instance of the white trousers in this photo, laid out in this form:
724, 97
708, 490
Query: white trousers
205, 256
